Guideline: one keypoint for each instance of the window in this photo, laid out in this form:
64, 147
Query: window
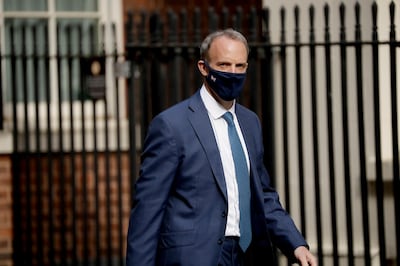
43, 40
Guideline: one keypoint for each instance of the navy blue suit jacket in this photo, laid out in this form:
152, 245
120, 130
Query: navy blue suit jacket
180, 204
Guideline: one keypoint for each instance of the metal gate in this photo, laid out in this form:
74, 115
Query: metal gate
321, 96
320, 99
72, 162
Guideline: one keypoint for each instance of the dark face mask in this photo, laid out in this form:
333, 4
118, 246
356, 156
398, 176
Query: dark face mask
225, 84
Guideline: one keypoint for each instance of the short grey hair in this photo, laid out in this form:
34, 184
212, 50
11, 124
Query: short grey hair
230, 33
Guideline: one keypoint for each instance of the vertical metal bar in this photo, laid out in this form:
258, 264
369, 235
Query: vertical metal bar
50, 160
361, 138
268, 107
267, 96
285, 120
176, 79
110, 228
96, 183
197, 25
129, 27
107, 176
158, 94
140, 65
132, 127
345, 125
187, 55
95, 155
144, 92
299, 105
329, 107
213, 19
143, 35
174, 59
314, 104
143, 65
84, 158
253, 21
184, 30
377, 120
225, 17
62, 178
118, 159
18, 255
194, 53
172, 27
156, 28
237, 19
68, 57
1, 89
38, 163
197, 38
284, 110
395, 133
253, 74
119, 178
26, 150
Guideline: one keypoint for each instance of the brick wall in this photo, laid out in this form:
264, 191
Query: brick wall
57, 199
5, 211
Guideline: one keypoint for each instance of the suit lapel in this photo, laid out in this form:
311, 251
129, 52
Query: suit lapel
202, 126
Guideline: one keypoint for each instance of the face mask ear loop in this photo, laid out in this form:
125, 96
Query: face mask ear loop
207, 66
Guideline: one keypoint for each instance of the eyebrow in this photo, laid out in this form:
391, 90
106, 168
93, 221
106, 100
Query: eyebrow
229, 63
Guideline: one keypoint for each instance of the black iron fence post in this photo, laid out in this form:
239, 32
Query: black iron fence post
394, 44
58, 183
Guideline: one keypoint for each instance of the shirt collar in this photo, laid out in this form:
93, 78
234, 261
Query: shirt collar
214, 109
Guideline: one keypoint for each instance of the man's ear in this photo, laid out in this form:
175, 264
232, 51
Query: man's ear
202, 67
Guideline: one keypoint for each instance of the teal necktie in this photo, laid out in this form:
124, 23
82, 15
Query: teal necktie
243, 182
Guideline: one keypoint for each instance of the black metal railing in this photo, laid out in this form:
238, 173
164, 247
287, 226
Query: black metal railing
70, 179
321, 158
321, 103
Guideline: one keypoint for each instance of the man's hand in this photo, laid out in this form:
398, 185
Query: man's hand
304, 256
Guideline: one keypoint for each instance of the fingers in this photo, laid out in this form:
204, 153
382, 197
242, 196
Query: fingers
305, 257
308, 261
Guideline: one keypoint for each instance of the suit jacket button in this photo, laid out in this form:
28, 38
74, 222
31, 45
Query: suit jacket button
224, 214
220, 241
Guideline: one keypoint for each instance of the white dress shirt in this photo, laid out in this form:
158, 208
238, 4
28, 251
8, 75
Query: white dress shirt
219, 125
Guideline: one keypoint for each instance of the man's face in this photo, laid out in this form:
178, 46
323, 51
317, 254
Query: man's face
226, 55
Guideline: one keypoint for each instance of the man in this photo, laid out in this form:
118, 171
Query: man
189, 207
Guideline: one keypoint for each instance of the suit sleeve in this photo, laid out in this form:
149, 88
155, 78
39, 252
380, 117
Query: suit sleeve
281, 227
158, 166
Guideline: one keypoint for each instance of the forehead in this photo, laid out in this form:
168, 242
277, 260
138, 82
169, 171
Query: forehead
227, 49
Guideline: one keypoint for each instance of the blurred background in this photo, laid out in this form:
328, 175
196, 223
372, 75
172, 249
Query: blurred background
82, 79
